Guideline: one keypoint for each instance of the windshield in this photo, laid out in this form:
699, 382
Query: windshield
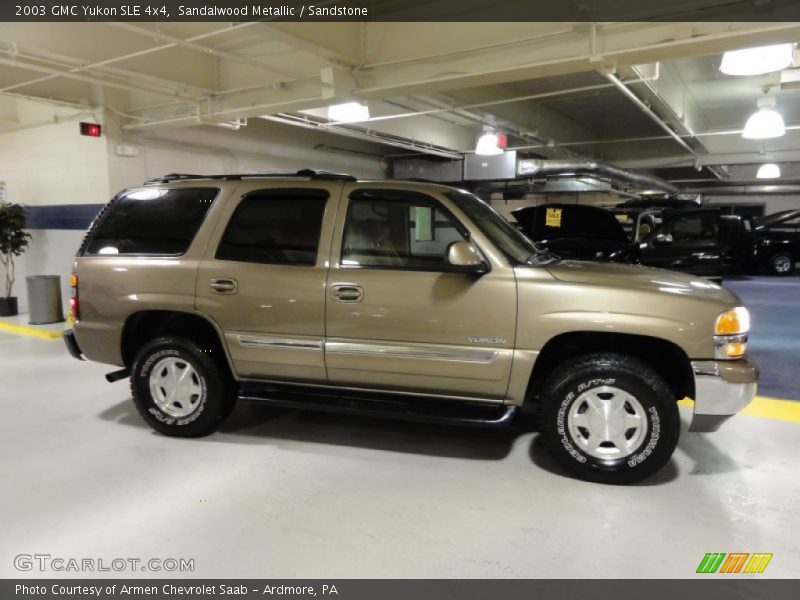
518, 249
560, 221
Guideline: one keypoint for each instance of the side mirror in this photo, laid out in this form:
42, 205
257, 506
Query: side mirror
663, 239
463, 257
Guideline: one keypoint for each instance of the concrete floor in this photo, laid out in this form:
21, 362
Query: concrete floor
773, 305
310, 495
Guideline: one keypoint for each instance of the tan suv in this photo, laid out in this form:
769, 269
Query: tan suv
409, 300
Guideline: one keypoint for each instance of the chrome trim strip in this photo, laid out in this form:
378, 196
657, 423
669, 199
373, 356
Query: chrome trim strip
455, 353
255, 341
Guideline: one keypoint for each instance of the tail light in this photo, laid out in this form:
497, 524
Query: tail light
74, 302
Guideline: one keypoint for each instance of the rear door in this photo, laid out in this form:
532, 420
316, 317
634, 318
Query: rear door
262, 279
396, 318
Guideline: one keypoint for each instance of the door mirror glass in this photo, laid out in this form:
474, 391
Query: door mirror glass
464, 257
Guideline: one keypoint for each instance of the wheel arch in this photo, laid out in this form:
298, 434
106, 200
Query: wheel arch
666, 357
142, 326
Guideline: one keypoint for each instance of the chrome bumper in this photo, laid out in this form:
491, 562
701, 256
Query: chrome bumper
722, 388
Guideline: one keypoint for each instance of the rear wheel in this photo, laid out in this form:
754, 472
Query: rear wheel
179, 389
609, 418
781, 263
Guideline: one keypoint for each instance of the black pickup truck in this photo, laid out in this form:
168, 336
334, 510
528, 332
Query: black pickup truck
776, 242
700, 241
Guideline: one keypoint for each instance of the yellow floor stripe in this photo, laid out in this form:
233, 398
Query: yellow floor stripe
766, 408
45, 334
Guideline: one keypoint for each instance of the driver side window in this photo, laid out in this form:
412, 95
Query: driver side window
692, 227
401, 230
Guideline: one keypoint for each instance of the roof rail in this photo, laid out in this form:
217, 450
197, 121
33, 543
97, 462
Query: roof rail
310, 173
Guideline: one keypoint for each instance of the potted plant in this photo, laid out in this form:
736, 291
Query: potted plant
13, 242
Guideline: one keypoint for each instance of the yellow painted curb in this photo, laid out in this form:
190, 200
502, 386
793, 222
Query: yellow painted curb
45, 334
767, 408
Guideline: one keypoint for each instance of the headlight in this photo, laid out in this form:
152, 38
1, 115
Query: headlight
730, 333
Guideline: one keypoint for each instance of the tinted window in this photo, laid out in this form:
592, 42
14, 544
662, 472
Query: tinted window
151, 221
403, 230
692, 227
275, 227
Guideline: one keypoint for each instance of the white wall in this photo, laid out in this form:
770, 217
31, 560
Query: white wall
44, 161
260, 147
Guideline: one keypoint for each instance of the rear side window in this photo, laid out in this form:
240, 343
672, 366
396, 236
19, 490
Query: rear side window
151, 221
280, 227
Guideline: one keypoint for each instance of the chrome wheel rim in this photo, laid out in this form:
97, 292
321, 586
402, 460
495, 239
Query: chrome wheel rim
607, 423
782, 264
175, 387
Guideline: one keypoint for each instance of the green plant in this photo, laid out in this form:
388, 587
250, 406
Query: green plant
13, 240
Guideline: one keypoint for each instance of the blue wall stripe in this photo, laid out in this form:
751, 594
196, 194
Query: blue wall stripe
61, 216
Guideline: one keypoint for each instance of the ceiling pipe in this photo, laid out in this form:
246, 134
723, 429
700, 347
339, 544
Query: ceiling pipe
14, 62
191, 44
534, 168
617, 82
138, 54
744, 190
287, 119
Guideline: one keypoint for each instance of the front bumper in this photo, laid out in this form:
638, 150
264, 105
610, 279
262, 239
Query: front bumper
722, 388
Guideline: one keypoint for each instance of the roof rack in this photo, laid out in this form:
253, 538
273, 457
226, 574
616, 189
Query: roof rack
310, 173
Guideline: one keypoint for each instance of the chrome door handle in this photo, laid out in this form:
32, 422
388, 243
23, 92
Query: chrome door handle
347, 292
223, 286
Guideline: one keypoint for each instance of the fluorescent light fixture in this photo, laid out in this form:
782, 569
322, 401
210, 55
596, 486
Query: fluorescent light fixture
768, 171
348, 112
765, 123
488, 145
757, 61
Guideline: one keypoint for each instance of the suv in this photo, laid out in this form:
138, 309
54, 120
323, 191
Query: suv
415, 300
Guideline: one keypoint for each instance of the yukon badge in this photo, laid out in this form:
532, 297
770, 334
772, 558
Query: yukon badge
486, 340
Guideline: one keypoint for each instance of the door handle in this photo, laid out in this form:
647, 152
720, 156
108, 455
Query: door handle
223, 286
347, 292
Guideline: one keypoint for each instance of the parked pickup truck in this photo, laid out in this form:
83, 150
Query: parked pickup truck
412, 300
776, 242
700, 241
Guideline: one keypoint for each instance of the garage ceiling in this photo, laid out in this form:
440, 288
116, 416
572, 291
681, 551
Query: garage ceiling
431, 87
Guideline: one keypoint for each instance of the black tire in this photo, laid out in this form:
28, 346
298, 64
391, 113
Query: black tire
213, 402
781, 264
573, 382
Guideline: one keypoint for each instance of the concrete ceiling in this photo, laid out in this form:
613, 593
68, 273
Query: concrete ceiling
431, 87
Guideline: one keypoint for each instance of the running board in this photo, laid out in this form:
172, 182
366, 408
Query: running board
426, 410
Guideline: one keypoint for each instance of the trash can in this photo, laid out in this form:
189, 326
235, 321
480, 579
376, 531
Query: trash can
44, 299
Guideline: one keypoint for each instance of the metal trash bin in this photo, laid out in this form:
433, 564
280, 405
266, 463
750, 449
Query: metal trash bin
44, 299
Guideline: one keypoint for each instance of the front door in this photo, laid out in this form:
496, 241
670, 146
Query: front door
688, 243
397, 319
263, 279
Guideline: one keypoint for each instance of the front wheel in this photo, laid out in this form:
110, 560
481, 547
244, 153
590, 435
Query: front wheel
609, 418
179, 389
781, 263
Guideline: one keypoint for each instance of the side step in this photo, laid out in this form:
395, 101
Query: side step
427, 410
